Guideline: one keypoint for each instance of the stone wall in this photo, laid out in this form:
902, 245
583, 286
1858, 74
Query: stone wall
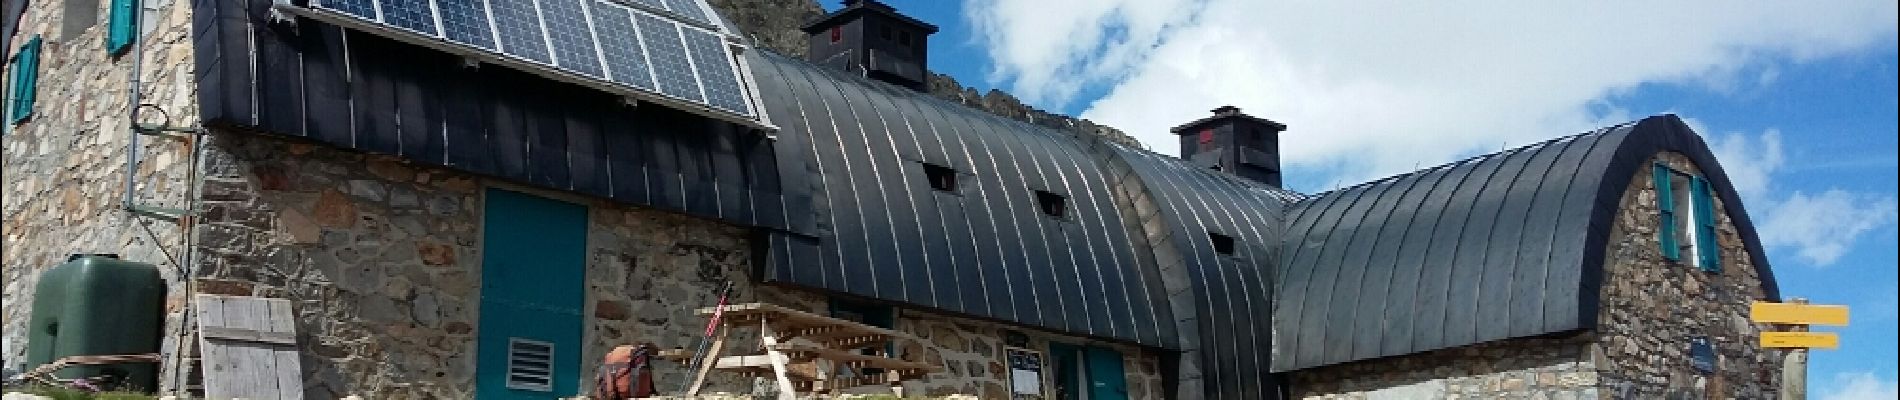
382, 261
1527, 368
1652, 307
63, 171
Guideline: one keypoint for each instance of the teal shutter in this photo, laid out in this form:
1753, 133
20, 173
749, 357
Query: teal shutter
26, 76
123, 27
1706, 249
1665, 203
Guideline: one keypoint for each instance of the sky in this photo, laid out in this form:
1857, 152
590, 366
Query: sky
1798, 99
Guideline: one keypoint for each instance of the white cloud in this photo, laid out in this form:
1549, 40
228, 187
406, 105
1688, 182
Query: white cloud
1098, 39
1860, 386
1821, 228
1748, 161
1818, 228
1370, 90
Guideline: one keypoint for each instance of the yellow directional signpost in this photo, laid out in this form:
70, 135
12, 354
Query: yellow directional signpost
1796, 315
1800, 340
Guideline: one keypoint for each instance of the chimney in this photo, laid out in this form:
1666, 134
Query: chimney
1235, 143
870, 37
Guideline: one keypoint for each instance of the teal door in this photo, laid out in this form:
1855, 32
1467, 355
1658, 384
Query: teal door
1106, 381
533, 261
1065, 369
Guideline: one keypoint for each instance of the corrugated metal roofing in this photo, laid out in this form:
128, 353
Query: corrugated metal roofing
1179, 207
856, 147
1500, 246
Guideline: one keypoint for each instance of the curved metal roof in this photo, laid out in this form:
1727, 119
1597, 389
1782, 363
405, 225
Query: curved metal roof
1503, 245
878, 230
1180, 207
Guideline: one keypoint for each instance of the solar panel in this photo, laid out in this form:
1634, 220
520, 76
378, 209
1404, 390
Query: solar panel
414, 15
466, 22
620, 43
688, 9
715, 70
573, 42
520, 29
670, 68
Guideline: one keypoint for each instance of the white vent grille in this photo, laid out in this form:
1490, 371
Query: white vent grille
530, 365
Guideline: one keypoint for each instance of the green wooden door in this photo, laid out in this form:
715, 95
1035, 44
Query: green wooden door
533, 265
1106, 381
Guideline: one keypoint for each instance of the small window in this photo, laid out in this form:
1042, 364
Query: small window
941, 178
903, 38
79, 15
1052, 204
1685, 222
1687, 219
1223, 244
884, 32
837, 33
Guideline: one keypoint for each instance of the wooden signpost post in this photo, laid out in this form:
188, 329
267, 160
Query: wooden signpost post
1795, 316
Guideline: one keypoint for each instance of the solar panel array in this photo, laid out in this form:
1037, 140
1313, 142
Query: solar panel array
623, 44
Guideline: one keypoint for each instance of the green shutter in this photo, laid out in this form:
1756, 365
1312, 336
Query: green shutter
123, 27
1665, 203
1706, 249
26, 75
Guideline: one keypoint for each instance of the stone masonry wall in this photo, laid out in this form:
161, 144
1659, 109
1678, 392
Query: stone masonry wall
62, 172
382, 262
1652, 307
1527, 368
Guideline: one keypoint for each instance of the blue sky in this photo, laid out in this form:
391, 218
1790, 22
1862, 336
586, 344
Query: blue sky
1799, 100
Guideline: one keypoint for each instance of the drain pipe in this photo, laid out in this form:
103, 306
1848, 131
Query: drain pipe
135, 100
134, 97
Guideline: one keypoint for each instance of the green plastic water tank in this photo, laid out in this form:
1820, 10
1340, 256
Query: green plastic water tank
98, 305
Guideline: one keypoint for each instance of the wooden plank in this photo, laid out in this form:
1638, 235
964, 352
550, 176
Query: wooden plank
289, 371
217, 360
770, 340
718, 344
1824, 340
752, 361
258, 380
249, 335
1802, 314
249, 348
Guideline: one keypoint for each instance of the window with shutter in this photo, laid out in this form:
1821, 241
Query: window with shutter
1666, 212
1708, 253
123, 27
26, 70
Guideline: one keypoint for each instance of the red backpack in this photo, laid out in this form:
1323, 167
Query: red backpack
625, 373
